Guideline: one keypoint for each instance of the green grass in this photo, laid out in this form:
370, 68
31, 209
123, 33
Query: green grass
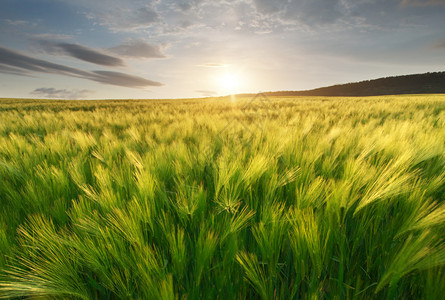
287, 198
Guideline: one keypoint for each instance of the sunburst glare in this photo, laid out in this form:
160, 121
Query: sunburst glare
230, 82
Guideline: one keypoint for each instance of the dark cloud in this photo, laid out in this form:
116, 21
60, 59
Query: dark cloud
80, 52
13, 71
10, 59
117, 78
138, 49
26, 63
90, 55
61, 93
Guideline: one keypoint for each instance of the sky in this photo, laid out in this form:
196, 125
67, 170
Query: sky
151, 49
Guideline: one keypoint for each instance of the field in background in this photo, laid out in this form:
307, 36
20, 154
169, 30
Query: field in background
276, 198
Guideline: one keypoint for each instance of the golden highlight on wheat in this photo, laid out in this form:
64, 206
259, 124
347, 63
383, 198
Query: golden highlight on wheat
280, 198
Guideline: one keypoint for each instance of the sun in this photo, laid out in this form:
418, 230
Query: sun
230, 81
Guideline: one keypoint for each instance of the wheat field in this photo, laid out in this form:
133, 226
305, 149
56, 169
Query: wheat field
223, 198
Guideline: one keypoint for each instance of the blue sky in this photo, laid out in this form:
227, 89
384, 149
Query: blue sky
171, 49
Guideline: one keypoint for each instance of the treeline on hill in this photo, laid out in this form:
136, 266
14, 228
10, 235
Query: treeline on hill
428, 83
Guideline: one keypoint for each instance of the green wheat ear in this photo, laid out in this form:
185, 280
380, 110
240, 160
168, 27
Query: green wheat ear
255, 273
336, 198
425, 251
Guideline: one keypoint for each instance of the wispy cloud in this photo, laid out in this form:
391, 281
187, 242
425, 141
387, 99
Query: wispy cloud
11, 70
303, 12
80, 52
258, 16
138, 49
51, 36
61, 93
439, 44
213, 65
24, 64
122, 79
18, 22
206, 93
422, 2
118, 19
264, 38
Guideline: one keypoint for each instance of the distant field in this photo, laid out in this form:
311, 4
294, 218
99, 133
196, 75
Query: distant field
279, 198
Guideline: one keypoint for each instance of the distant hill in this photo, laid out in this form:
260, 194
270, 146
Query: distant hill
428, 83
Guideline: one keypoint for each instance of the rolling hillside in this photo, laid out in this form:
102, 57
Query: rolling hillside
428, 83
